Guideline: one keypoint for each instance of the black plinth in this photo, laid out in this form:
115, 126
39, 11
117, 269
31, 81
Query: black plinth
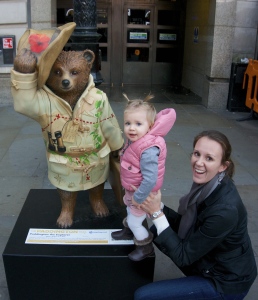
71, 272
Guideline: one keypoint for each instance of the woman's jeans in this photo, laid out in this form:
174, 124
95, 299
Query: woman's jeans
186, 288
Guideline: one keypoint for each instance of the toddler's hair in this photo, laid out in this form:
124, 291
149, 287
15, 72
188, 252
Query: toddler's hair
144, 104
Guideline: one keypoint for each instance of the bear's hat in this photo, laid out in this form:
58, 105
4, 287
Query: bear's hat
46, 44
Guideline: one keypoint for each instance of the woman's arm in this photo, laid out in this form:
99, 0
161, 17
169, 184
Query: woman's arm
168, 218
217, 224
219, 221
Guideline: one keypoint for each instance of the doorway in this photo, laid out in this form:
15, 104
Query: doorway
152, 44
141, 43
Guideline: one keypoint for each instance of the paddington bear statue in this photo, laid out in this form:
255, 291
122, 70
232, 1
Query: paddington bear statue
79, 128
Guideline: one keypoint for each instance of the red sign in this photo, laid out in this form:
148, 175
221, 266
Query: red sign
7, 43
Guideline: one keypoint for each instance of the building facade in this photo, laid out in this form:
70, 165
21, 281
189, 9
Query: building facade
150, 42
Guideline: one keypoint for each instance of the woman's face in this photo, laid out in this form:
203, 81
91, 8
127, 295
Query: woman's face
206, 160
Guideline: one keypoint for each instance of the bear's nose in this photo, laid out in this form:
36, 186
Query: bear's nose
65, 82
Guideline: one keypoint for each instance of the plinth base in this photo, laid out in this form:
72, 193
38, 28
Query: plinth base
71, 272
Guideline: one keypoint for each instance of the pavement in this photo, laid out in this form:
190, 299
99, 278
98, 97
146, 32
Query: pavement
23, 163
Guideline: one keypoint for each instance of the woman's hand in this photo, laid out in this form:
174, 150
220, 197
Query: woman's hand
136, 204
151, 204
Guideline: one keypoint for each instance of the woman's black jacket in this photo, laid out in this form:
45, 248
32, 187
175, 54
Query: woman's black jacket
218, 247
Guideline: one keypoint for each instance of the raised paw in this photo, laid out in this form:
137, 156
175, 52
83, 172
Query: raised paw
25, 62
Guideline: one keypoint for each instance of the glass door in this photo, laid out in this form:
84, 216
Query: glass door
168, 45
153, 39
137, 44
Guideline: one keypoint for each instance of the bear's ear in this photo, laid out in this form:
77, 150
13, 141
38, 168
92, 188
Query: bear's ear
89, 56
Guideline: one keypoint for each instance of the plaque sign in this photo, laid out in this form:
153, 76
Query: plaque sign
7, 50
138, 36
167, 37
73, 237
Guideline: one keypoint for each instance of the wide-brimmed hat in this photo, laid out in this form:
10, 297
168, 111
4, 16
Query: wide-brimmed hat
46, 44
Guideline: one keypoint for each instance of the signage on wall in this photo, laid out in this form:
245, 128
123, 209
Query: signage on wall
8, 43
138, 36
196, 34
7, 50
167, 37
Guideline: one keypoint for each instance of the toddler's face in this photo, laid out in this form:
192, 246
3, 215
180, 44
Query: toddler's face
136, 124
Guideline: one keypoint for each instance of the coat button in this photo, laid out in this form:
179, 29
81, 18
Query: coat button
129, 168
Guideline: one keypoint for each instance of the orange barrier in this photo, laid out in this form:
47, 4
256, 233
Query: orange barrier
251, 81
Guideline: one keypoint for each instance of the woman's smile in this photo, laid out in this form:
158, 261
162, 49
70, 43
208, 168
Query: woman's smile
199, 171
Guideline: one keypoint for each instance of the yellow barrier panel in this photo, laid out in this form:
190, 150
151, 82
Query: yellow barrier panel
251, 79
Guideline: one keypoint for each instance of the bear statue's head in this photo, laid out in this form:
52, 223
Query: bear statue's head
70, 73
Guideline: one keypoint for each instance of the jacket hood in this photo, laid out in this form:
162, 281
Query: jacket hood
164, 121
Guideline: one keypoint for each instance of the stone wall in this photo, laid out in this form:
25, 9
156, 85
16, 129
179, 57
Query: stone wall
13, 21
15, 18
227, 32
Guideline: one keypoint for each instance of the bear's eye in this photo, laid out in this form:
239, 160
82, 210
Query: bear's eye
74, 72
58, 72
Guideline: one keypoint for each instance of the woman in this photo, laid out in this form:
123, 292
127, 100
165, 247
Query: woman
208, 238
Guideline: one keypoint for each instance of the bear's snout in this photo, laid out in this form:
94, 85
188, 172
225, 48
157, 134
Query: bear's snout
65, 83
